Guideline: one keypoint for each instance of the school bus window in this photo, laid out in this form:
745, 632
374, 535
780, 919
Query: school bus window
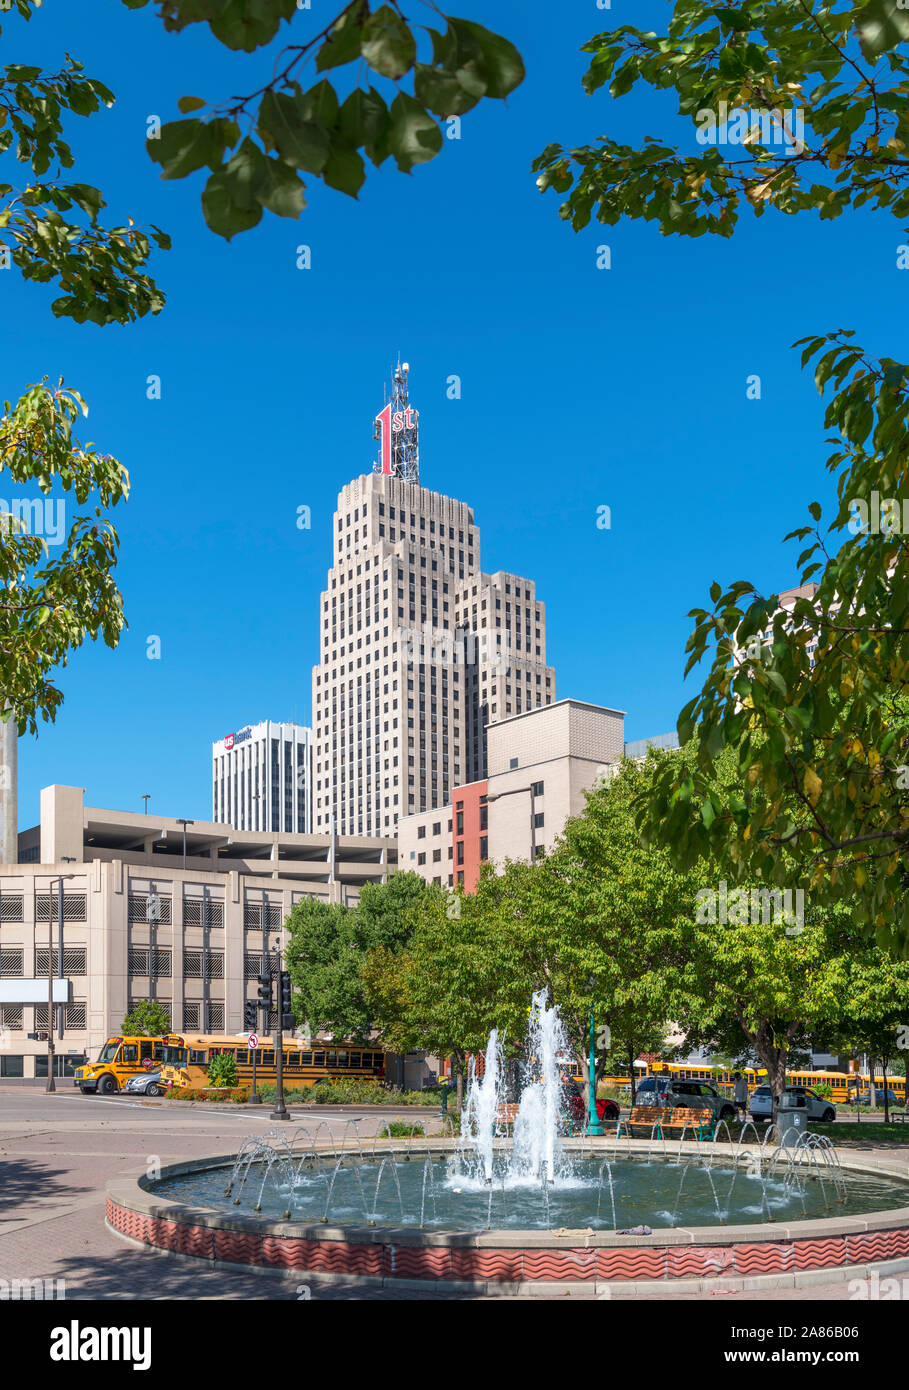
268, 1059
318, 1059
130, 1053
197, 1057
356, 1059
331, 1059
145, 1050
305, 1059
343, 1059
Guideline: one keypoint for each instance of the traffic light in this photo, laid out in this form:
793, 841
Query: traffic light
288, 1020
250, 1019
265, 992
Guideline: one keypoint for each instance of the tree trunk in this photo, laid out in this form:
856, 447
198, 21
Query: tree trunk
886, 1097
774, 1059
872, 1089
631, 1070
458, 1059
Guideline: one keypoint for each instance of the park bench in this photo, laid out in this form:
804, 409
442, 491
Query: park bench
699, 1122
506, 1116
644, 1117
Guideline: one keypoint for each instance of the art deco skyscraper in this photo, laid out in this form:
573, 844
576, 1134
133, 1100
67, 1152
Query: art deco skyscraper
419, 649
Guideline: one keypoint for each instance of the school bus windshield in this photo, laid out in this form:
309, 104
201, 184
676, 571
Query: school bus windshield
109, 1051
173, 1057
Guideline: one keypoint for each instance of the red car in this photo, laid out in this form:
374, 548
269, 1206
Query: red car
578, 1109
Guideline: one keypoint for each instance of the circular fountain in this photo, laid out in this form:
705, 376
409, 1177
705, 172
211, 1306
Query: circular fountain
535, 1208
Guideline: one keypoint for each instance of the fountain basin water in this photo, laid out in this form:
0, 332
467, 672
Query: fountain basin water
391, 1191
505, 1257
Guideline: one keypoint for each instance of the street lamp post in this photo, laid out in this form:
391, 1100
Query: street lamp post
64, 859
153, 916
280, 1110
206, 988
50, 998
51, 1085
185, 823
594, 1125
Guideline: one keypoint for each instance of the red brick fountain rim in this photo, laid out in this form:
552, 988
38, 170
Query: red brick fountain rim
507, 1260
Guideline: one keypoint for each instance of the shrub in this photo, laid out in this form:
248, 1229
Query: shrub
401, 1129
222, 1069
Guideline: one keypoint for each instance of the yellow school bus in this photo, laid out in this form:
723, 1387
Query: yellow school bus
842, 1084
119, 1059
304, 1063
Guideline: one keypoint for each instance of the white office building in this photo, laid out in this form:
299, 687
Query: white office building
262, 778
419, 649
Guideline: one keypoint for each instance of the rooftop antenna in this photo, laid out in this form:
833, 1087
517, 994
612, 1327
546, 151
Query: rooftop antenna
397, 430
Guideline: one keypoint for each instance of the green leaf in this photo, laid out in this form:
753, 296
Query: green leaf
343, 43
363, 121
881, 25
181, 147
284, 126
440, 91
187, 104
387, 44
504, 67
320, 104
223, 211
413, 136
344, 170
280, 189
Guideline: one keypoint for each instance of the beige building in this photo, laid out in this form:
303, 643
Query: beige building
221, 896
541, 762
425, 846
558, 753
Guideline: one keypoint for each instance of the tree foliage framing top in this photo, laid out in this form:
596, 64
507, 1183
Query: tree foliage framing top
834, 61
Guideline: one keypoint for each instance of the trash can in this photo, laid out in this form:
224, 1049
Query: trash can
792, 1117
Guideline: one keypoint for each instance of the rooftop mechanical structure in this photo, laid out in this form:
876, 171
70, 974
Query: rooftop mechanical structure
397, 430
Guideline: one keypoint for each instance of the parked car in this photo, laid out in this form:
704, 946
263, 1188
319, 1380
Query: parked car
864, 1097
693, 1095
761, 1105
145, 1084
578, 1109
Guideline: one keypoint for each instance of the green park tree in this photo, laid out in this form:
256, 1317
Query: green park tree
811, 701
51, 604
874, 994
592, 924
147, 1018
444, 992
328, 947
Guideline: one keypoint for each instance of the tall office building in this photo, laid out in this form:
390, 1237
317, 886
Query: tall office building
419, 649
262, 778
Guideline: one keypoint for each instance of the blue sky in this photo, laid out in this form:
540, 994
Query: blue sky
580, 388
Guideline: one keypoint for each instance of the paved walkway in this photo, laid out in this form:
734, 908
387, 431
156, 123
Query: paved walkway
57, 1153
